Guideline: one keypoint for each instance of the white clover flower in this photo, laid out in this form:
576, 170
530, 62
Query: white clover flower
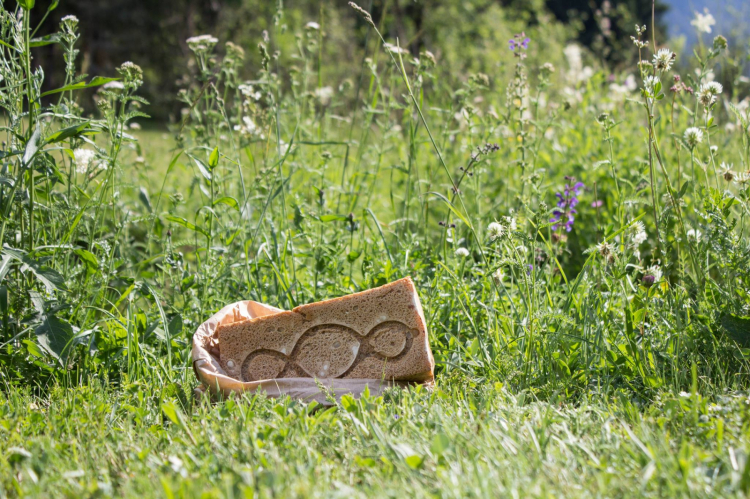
693, 136
202, 43
707, 93
713, 87
495, 230
639, 234
742, 178
312, 25
510, 223
462, 252
703, 22
606, 250
663, 59
694, 235
83, 159
649, 83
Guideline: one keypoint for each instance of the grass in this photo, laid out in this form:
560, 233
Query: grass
610, 359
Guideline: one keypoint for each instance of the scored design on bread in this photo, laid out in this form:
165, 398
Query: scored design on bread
379, 333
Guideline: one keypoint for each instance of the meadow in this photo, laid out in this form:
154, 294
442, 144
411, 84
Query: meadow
578, 238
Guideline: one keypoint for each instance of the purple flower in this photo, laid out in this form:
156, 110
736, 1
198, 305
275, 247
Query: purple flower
564, 212
525, 43
512, 44
597, 204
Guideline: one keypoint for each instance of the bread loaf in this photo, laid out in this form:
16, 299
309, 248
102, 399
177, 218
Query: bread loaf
374, 334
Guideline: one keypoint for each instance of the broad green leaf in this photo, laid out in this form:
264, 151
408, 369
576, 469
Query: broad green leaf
332, 218
95, 82
170, 410
66, 133
414, 461
45, 40
88, 258
51, 279
55, 336
229, 201
203, 167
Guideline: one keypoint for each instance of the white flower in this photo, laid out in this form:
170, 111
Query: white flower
713, 87
135, 126
703, 22
247, 127
83, 159
742, 178
393, 49
714, 149
462, 252
663, 59
694, 235
324, 95
639, 234
495, 230
312, 25
497, 276
113, 85
693, 136
655, 272
202, 43
606, 250
69, 19
649, 83
727, 172
140, 160
247, 91
510, 223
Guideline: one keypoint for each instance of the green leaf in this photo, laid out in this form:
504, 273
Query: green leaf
181, 221
45, 40
32, 146
332, 218
66, 133
213, 158
54, 336
145, 200
88, 258
229, 201
440, 443
414, 461
203, 167
737, 328
170, 410
51, 279
95, 82
353, 255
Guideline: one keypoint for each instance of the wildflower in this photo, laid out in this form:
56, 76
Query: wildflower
324, 95
497, 276
234, 52
69, 27
727, 172
313, 26
509, 223
202, 44
607, 251
547, 69
694, 235
113, 85
247, 91
83, 159
649, 83
462, 252
140, 160
247, 127
518, 43
663, 59
597, 204
693, 136
393, 49
566, 203
742, 178
135, 126
651, 276
708, 93
495, 230
639, 234
714, 149
720, 43
703, 22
